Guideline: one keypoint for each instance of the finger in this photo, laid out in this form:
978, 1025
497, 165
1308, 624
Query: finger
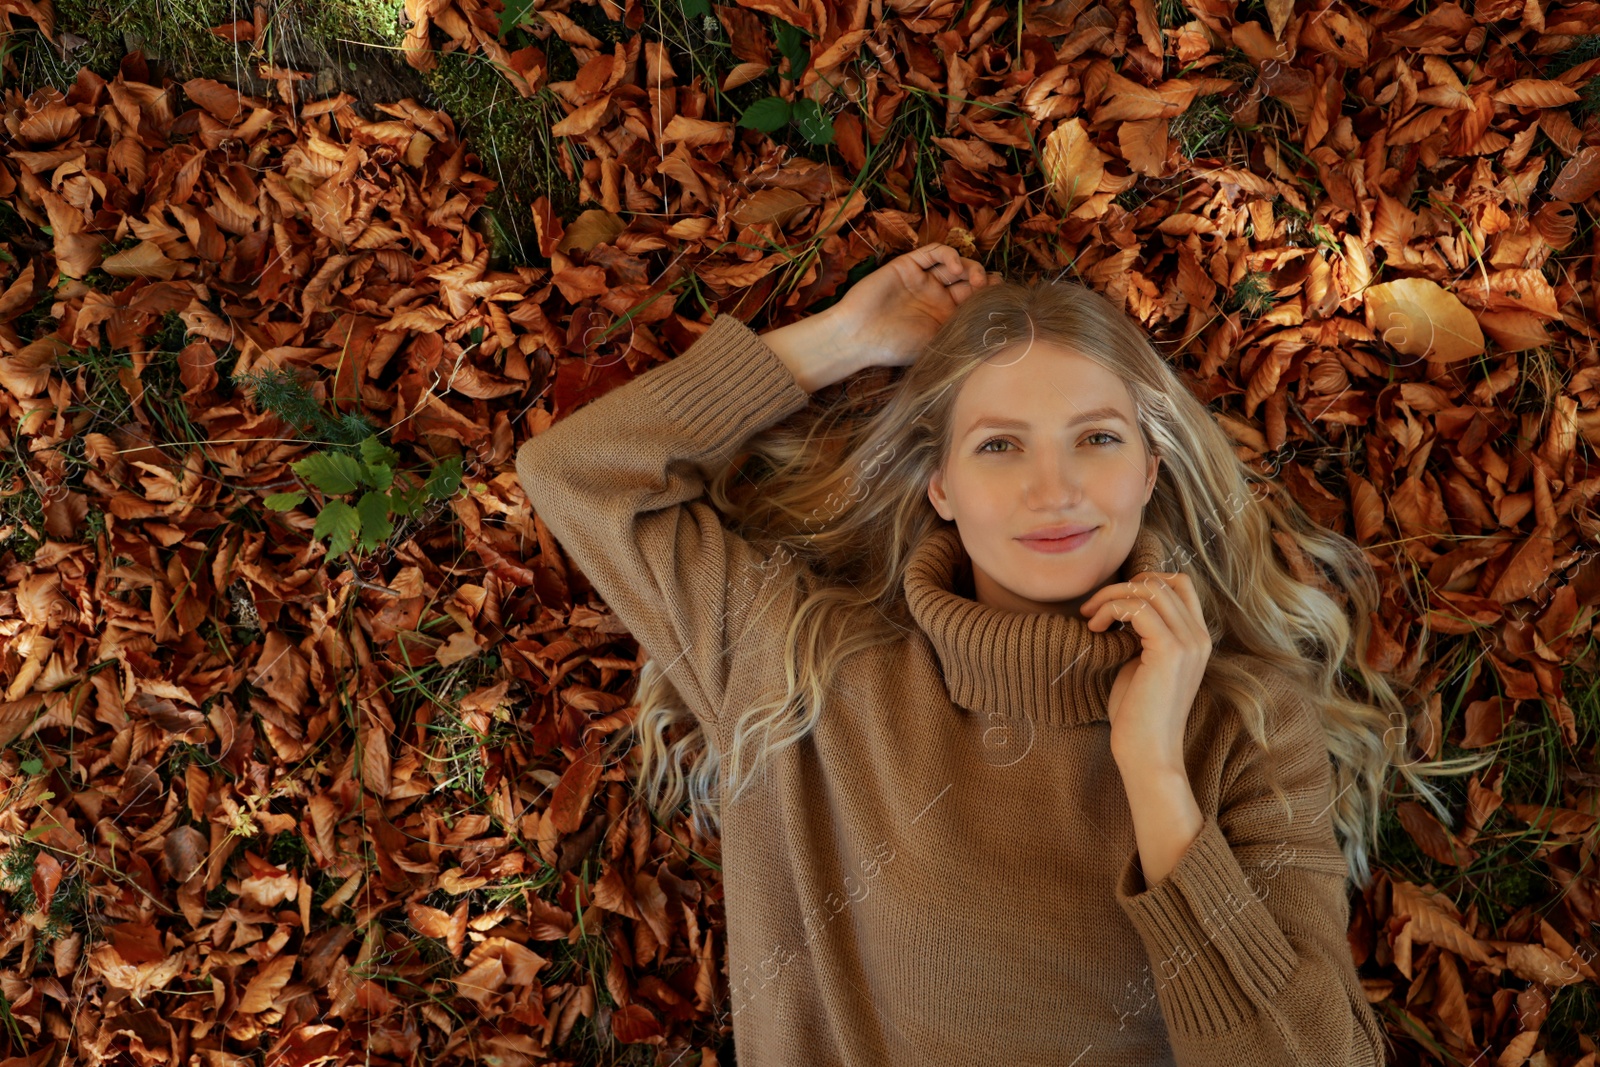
950, 270
960, 290
1184, 585
975, 273
1146, 618
1160, 591
1115, 589
939, 260
1186, 591
1120, 601
1136, 612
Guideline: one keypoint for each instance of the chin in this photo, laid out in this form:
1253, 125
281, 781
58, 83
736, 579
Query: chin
1036, 587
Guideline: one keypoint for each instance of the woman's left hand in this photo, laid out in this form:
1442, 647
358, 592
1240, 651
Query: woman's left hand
1152, 694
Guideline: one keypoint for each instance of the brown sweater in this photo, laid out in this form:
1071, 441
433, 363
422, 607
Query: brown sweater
946, 868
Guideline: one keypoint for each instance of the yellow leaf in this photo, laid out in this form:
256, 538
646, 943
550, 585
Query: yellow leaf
1417, 317
1072, 163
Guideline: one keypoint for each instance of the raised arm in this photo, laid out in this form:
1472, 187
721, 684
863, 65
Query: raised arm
1247, 933
620, 484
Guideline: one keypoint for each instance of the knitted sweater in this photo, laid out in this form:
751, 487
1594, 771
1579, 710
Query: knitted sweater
946, 867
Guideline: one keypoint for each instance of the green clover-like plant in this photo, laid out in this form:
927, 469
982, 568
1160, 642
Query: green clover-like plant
357, 465
369, 521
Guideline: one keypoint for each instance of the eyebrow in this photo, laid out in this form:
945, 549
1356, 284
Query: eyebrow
996, 422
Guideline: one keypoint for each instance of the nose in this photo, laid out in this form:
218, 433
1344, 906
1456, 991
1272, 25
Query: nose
1051, 485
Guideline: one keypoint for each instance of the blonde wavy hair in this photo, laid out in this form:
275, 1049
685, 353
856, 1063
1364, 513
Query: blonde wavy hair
841, 487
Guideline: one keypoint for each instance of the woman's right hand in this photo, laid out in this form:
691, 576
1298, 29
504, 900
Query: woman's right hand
888, 317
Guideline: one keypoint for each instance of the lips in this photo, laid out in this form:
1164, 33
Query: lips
1056, 533
1054, 545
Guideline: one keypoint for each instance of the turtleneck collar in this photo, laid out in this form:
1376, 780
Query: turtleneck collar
1049, 667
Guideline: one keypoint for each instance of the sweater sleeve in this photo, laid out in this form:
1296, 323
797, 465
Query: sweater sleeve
620, 484
1246, 935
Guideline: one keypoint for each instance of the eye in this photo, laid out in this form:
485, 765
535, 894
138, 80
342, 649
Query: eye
984, 448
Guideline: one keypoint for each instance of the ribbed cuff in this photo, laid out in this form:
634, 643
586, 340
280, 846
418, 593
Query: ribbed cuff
1215, 948
725, 386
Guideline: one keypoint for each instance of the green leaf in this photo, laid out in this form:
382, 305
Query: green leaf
374, 451
32, 766
39, 831
445, 479
408, 502
379, 475
792, 43
769, 114
373, 508
814, 126
339, 523
513, 14
285, 501
695, 9
332, 472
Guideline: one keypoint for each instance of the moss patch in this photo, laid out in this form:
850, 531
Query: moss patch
351, 46
511, 135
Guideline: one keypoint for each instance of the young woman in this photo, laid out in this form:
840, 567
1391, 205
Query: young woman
1022, 741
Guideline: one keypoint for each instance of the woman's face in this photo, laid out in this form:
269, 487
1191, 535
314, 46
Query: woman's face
1042, 437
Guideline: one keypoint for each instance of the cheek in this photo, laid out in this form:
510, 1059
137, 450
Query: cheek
1128, 488
977, 488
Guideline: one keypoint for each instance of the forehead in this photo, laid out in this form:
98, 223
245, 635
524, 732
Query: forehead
1042, 383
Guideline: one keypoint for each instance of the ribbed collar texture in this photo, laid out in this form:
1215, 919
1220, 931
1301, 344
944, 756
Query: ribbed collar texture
1048, 667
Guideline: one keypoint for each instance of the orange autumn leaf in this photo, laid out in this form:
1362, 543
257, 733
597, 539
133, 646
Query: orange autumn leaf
266, 984
237, 30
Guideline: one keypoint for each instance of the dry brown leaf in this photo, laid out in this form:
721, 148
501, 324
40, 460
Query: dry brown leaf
1432, 922
1431, 836
1515, 331
138, 979
1145, 145
267, 983
1553, 820
143, 260
1579, 178
51, 123
1536, 963
1536, 93
1126, 100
